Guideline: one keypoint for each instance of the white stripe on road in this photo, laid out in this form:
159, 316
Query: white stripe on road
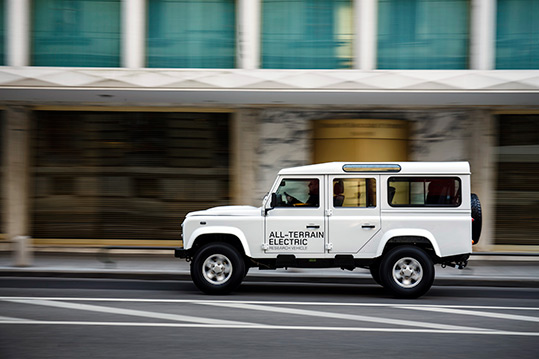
330, 304
361, 318
9, 319
131, 312
475, 313
275, 327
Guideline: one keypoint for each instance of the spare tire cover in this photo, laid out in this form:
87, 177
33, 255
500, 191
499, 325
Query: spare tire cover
477, 220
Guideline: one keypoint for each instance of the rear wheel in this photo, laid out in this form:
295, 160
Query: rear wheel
407, 272
217, 268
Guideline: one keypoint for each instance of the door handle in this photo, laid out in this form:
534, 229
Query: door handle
368, 226
313, 226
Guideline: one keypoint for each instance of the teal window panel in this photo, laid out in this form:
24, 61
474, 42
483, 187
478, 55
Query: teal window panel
81, 33
307, 34
423, 34
191, 34
2, 33
517, 34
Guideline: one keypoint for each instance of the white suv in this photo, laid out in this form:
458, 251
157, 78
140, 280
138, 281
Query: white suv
396, 219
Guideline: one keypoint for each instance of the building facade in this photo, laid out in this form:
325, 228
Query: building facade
120, 116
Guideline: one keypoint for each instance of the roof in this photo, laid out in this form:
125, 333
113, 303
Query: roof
447, 168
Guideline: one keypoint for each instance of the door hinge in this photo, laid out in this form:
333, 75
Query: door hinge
329, 212
329, 246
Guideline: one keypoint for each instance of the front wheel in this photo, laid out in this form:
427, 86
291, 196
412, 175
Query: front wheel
217, 268
407, 272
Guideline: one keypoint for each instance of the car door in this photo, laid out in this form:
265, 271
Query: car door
296, 224
353, 213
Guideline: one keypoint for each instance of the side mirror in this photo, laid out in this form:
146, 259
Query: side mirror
273, 204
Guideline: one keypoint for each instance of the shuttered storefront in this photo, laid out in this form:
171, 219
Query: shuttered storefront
126, 175
517, 190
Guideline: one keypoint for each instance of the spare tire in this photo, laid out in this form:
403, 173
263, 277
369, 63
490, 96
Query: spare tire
476, 218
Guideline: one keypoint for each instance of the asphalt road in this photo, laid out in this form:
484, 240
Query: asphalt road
91, 318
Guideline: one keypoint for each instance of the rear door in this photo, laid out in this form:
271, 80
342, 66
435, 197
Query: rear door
354, 211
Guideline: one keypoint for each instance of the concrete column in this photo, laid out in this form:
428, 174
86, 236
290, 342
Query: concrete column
16, 182
248, 34
244, 157
133, 33
365, 26
482, 155
18, 32
483, 35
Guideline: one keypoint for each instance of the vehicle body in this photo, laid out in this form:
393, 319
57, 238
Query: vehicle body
397, 219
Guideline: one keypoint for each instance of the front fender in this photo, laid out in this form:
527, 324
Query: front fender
407, 232
218, 230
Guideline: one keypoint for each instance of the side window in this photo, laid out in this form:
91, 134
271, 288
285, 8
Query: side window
424, 191
298, 193
354, 192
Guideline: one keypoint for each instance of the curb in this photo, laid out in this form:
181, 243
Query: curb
360, 279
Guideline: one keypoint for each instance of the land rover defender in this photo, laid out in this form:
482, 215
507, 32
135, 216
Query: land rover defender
396, 219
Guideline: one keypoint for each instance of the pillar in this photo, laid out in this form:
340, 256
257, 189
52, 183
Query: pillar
482, 154
248, 34
134, 32
244, 157
16, 182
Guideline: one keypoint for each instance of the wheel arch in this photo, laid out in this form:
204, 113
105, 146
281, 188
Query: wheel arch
420, 238
230, 235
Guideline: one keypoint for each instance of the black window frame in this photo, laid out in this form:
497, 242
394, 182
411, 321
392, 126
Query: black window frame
424, 179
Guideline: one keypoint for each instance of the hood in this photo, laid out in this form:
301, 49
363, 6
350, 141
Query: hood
228, 211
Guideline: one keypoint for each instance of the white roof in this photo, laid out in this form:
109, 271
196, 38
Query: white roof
447, 168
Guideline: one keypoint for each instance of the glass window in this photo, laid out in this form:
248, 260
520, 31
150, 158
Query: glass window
354, 192
191, 34
82, 33
298, 193
423, 191
517, 34
307, 34
2, 33
423, 34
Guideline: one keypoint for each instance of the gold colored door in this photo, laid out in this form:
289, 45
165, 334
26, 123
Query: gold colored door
362, 140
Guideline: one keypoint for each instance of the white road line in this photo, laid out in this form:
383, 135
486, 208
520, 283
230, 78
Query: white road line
275, 327
476, 313
10, 319
130, 312
361, 318
329, 304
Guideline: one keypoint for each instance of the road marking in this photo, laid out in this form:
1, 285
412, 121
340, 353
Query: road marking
130, 312
476, 313
9, 319
330, 304
275, 327
361, 318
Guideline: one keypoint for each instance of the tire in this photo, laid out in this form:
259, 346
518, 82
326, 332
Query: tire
375, 272
477, 218
217, 268
407, 272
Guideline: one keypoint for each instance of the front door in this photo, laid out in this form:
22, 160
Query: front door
296, 224
354, 213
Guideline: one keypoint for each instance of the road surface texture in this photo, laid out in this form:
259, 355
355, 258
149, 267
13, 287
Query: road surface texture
112, 318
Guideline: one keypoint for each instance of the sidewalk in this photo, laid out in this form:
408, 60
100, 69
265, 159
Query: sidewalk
499, 271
